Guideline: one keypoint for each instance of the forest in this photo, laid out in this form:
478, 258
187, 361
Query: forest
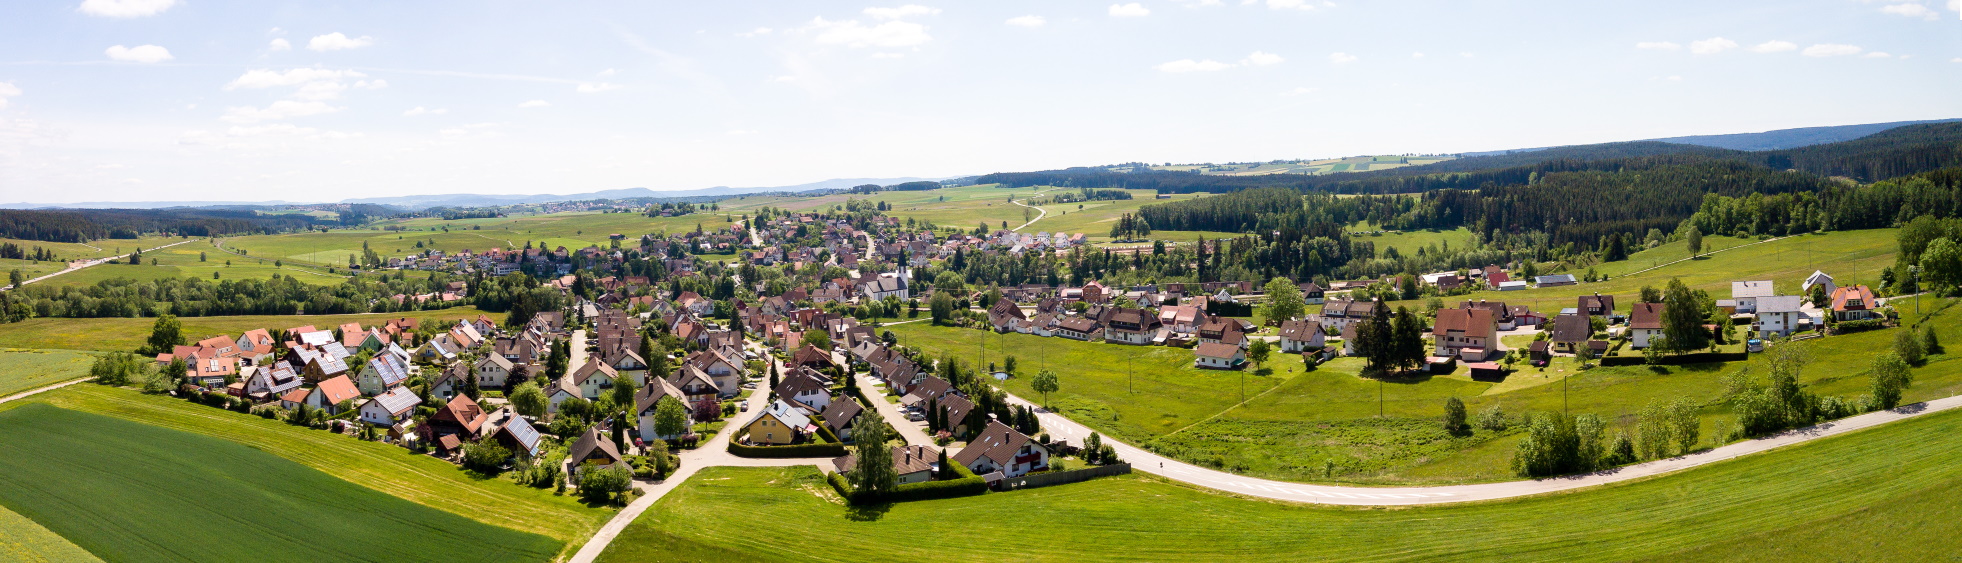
85, 225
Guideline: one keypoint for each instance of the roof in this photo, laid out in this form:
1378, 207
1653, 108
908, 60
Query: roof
838, 413
1555, 278
783, 412
464, 411
593, 366
1780, 304
1569, 327
589, 443
1303, 329
523, 432
1646, 316
796, 385
1742, 289
1472, 323
1859, 293
336, 389
398, 400
997, 442
1216, 350
390, 368
650, 395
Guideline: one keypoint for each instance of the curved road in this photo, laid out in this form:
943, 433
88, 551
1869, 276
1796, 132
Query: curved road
1041, 213
1148, 462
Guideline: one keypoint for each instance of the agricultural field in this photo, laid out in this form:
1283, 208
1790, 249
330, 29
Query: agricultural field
1332, 426
966, 206
112, 334
21, 370
1879, 494
384, 468
1321, 166
126, 491
1407, 242
1852, 257
572, 230
29, 269
65, 251
183, 261
25, 541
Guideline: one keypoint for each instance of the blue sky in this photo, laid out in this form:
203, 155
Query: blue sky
320, 101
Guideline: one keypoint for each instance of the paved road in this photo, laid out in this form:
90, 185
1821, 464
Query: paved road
94, 262
1063, 428
40, 390
1038, 217
913, 432
578, 356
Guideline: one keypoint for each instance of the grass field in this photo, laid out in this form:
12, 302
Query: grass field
1407, 242
1877, 495
572, 230
1330, 415
110, 334
966, 206
1852, 257
385, 468
182, 261
65, 251
125, 491
21, 370
27, 542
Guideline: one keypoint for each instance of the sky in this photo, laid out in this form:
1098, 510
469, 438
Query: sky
223, 100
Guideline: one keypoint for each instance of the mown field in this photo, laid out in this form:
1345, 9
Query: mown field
572, 230
65, 251
183, 261
967, 206
1311, 421
111, 334
1876, 495
25, 541
23, 369
1851, 257
1407, 242
388, 469
127, 491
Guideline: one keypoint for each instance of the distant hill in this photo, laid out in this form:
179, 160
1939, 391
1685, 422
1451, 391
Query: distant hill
1793, 138
481, 200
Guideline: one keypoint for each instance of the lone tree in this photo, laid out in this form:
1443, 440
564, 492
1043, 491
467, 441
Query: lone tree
529, 400
1045, 383
873, 476
1890, 377
166, 333
1695, 238
1682, 318
1454, 416
670, 418
1284, 301
1258, 350
941, 305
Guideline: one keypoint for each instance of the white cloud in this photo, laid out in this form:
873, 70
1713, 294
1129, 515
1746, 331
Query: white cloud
1878, 55
1774, 47
1911, 10
1301, 91
888, 55
1467, 54
1417, 55
1131, 10
337, 41
1259, 58
1658, 45
1830, 50
322, 90
606, 73
535, 104
1956, 60
125, 8
853, 34
595, 87
419, 110
261, 78
1341, 58
1712, 46
901, 12
283, 109
7, 90
1189, 65
756, 32
139, 53
1027, 21
375, 84
1289, 5
280, 44
1955, 5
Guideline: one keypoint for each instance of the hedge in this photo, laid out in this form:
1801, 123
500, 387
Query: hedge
1843, 327
968, 484
1677, 359
799, 450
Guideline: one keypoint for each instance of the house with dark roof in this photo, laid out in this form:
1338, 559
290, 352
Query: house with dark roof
1003, 315
1131, 326
1570, 332
1301, 335
592, 451
805, 389
1080, 328
1645, 324
647, 400
1500, 312
518, 435
912, 464
1218, 355
999, 448
1597, 305
381, 373
1468, 334
841, 417
593, 377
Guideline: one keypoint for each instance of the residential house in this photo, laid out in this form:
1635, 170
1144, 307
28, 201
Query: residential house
648, 400
559, 392
1854, 303
1747, 293
912, 464
593, 377
1469, 334
1495, 276
805, 389
1339, 314
1000, 448
1003, 314
727, 373
382, 372
518, 435
1570, 331
592, 451
841, 417
1302, 335
272, 381
492, 371
1645, 325
1313, 293
461, 417
1131, 326
1080, 328
391, 408
1778, 314
330, 393
777, 424
1819, 278
256, 346
1500, 312
1217, 355
1597, 305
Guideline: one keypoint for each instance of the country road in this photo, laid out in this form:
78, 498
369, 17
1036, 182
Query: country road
97, 262
1042, 213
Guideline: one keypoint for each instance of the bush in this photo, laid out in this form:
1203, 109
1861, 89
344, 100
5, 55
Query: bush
1856, 326
486, 457
605, 485
1492, 418
800, 450
967, 484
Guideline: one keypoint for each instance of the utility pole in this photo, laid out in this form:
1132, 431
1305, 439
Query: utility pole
1379, 396
1129, 374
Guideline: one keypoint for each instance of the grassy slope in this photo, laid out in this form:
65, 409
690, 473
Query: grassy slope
130, 333
182, 261
389, 469
125, 490
1865, 485
25, 541
1329, 414
21, 370
571, 230
65, 251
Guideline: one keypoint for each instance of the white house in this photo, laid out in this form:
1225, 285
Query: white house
1779, 314
1747, 293
391, 408
381, 373
1218, 355
1645, 325
1000, 448
1302, 335
492, 371
1819, 278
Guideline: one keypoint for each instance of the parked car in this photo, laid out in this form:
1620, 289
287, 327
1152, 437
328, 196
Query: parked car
915, 416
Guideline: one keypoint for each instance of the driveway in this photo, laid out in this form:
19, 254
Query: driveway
913, 432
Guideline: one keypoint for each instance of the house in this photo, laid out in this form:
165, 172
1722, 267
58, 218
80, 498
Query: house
518, 435
912, 464
559, 392
727, 373
1597, 305
804, 389
391, 408
1854, 303
1313, 293
1819, 278
1131, 326
593, 377
1349, 340
255, 346
811, 356
1645, 325
1000, 448
461, 417
329, 395
1747, 293
886, 285
492, 371
450, 381
1495, 276
648, 400
381, 373
1080, 328
1339, 314
592, 452
698, 392
1218, 355
211, 372
1555, 280
274, 380
1469, 334
1003, 314
1500, 312
777, 424
1526, 316
1302, 335
1778, 314
1570, 332
841, 417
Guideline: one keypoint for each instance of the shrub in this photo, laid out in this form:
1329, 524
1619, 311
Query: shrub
486, 457
1907, 345
800, 450
605, 485
1492, 418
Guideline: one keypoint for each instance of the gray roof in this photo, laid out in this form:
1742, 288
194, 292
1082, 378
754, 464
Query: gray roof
524, 432
789, 415
1555, 278
1779, 304
390, 368
1743, 289
398, 400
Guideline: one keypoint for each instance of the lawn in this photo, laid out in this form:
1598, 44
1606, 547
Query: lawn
1310, 421
1852, 257
109, 334
21, 370
389, 469
1882, 495
126, 491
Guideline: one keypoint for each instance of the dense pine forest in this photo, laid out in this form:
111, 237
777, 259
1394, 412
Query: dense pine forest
86, 225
